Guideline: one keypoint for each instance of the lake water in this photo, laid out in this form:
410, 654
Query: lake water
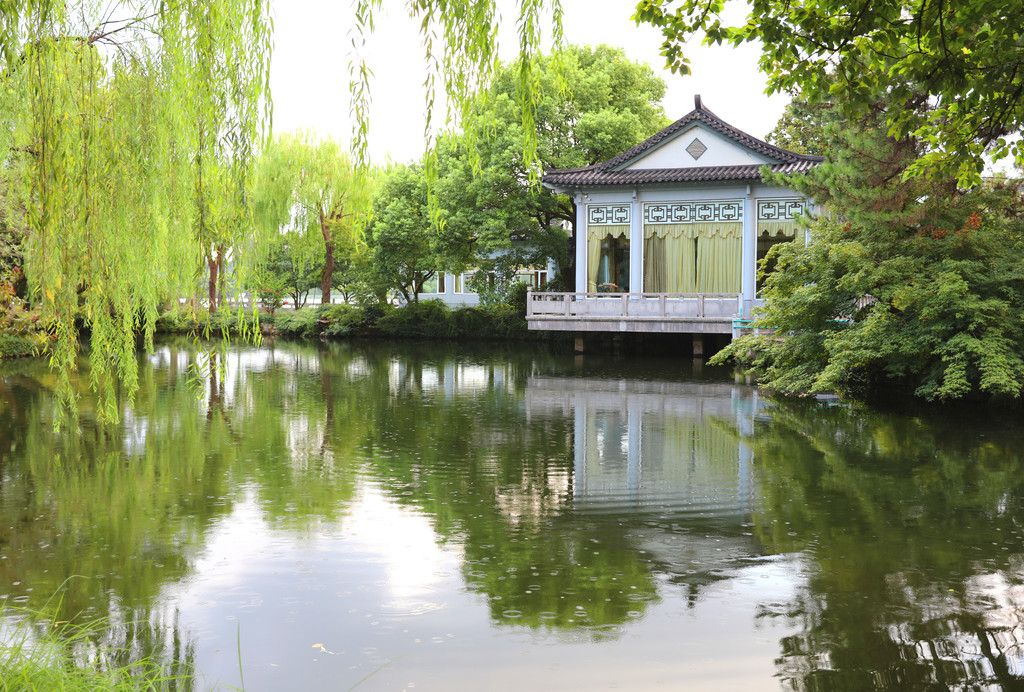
408, 517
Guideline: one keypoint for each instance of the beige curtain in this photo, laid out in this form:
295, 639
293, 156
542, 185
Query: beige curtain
595, 234
654, 265
718, 264
602, 232
669, 265
719, 249
593, 261
674, 263
773, 229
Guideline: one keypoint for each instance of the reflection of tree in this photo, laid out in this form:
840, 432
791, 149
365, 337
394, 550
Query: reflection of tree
560, 574
128, 507
501, 488
909, 523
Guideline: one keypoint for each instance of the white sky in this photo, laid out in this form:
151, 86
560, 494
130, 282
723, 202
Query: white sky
309, 73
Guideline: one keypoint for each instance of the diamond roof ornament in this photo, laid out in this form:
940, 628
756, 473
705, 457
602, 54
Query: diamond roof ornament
696, 148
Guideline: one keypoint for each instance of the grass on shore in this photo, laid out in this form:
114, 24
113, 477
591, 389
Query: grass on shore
39, 654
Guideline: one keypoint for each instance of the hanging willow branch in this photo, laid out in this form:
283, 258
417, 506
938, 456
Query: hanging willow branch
125, 143
460, 47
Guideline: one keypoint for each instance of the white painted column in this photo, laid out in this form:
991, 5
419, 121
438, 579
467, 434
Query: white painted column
748, 284
636, 246
581, 245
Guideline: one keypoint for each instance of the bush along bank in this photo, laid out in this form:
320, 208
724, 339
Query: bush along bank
427, 319
21, 333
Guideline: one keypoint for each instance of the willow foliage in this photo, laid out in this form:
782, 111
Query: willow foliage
309, 186
460, 47
131, 128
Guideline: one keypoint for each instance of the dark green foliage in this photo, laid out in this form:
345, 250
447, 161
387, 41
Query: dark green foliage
342, 320
406, 246
17, 346
433, 319
591, 104
910, 282
300, 323
517, 297
964, 59
428, 318
176, 321
223, 322
800, 129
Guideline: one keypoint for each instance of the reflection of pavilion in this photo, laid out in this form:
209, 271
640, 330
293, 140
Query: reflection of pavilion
659, 447
667, 461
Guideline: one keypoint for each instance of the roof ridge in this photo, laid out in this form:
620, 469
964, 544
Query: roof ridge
704, 115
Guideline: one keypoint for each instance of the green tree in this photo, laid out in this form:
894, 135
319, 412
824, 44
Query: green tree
408, 245
309, 185
591, 104
293, 272
964, 59
801, 128
112, 124
907, 280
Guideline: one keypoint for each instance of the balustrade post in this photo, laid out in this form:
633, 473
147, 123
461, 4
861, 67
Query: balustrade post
567, 299
529, 302
625, 304
662, 305
700, 305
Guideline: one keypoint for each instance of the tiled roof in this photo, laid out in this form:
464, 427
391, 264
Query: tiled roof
592, 176
608, 173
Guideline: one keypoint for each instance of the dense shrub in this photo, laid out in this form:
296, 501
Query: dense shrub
302, 323
474, 321
18, 346
175, 321
427, 318
183, 320
517, 297
508, 321
342, 320
430, 319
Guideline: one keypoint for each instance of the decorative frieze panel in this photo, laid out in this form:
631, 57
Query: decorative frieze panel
780, 209
692, 212
607, 214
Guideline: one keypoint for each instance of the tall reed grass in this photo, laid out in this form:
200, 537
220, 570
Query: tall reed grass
38, 654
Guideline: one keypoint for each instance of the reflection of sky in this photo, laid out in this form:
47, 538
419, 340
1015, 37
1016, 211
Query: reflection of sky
378, 594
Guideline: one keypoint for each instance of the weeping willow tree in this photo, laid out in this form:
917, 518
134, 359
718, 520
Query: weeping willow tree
129, 130
308, 187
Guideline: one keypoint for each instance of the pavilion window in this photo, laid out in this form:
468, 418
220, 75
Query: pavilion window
608, 247
608, 259
775, 231
702, 257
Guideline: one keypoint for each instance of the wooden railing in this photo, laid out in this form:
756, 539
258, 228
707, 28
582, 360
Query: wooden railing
633, 305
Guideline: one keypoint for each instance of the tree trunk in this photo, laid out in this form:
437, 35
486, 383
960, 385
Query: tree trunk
327, 275
222, 275
211, 262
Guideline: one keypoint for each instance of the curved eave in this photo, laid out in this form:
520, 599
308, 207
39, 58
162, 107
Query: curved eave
596, 176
